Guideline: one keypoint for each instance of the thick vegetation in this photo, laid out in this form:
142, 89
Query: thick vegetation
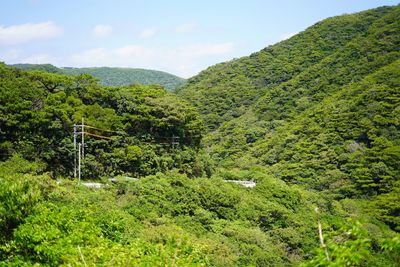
286, 78
38, 111
171, 220
326, 115
114, 76
313, 120
320, 110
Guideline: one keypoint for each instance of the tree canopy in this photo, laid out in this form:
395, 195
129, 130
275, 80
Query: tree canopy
313, 121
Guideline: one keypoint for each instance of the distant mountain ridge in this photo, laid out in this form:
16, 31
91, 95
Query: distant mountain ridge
109, 76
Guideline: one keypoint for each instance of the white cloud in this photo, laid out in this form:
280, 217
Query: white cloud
184, 60
23, 33
39, 59
185, 28
102, 30
148, 32
287, 36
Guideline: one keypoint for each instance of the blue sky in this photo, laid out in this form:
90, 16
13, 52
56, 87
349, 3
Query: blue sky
181, 37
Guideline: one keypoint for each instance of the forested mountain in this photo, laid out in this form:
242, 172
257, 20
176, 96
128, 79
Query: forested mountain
114, 76
319, 109
350, 44
313, 120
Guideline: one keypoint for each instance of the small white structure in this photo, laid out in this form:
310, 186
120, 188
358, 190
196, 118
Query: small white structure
93, 185
123, 178
249, 184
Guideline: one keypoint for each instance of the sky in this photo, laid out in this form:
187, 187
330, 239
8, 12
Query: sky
181, 37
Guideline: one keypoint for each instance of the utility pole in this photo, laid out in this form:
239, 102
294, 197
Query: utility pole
79, 163
83, 139
75, 126
81, 146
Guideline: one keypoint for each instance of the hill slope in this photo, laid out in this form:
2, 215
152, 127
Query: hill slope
115, 76
313, 120
330, 49
320, 109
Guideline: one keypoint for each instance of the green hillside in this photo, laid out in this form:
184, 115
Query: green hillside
115, 76
225, 91
313, 121
320, 110
289, 81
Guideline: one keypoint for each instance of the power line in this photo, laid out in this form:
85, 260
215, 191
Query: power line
99, 136
81, 153
100, 129
174, 141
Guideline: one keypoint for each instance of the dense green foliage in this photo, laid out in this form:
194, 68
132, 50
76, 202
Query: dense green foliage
320, 110
326, 115
114, 76
38, 110
169, 219
327, 55
313, 120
